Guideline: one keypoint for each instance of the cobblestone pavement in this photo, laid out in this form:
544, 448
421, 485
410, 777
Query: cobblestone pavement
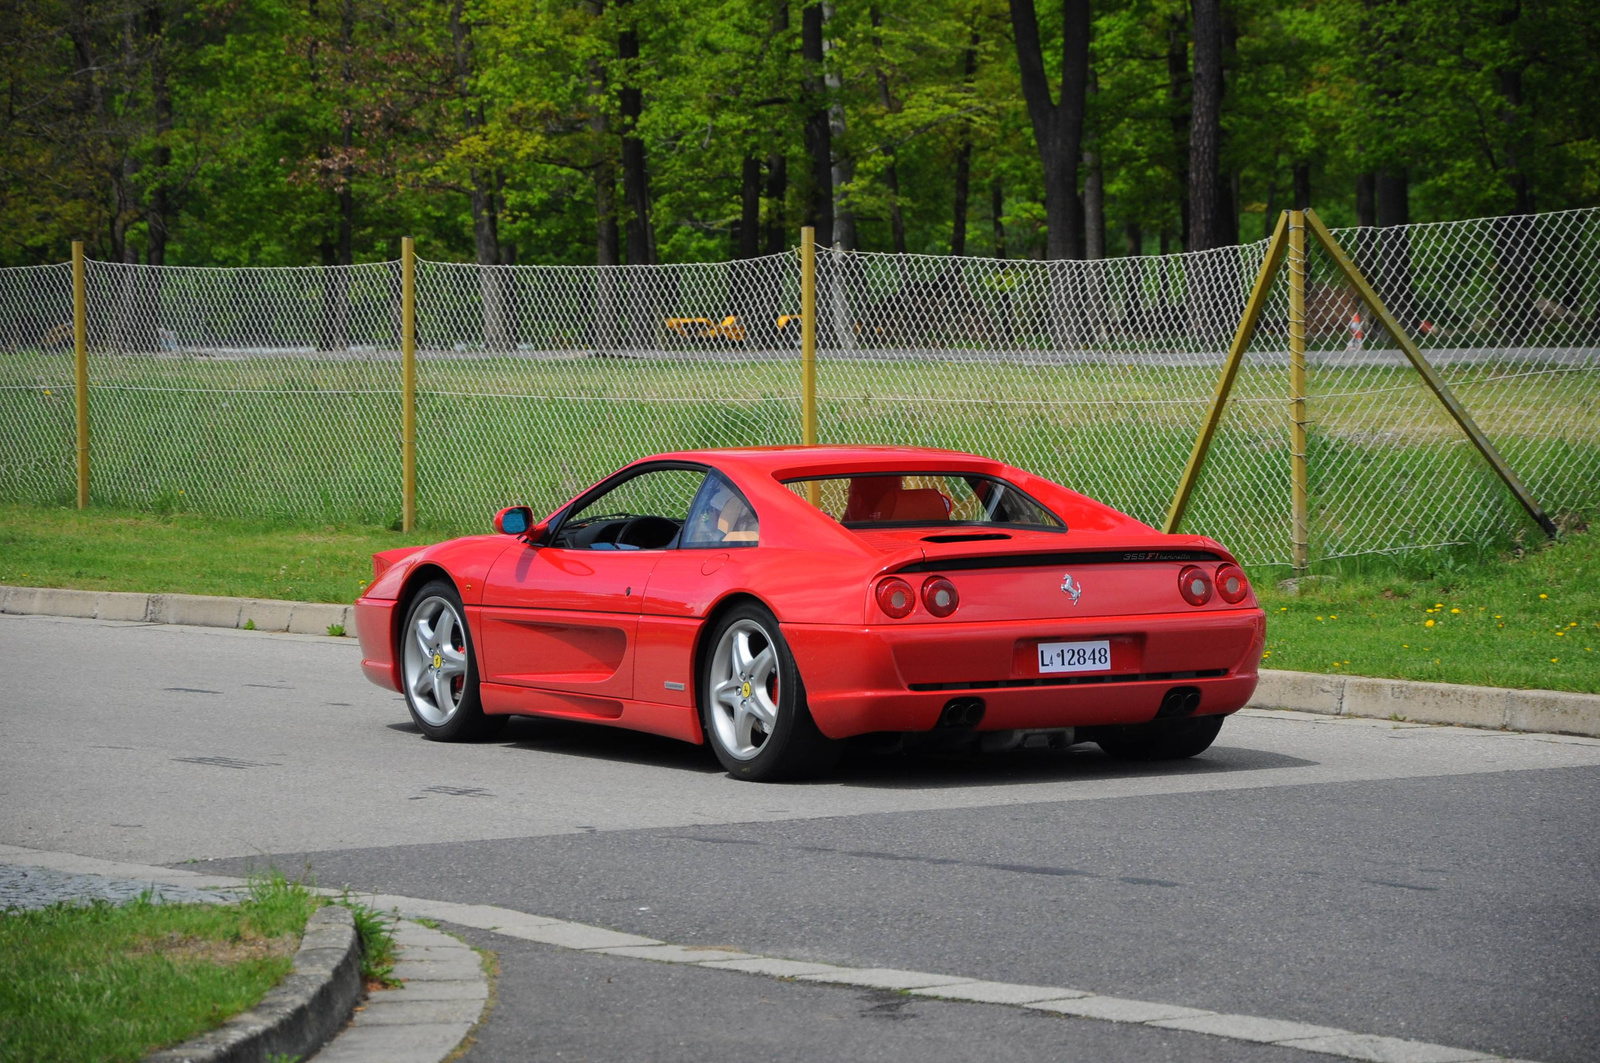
36, 887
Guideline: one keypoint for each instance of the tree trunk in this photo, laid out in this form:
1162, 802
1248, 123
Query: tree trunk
1133, 301
1302, 185
997, 213
1393, 268
1517, 251
1205, 127
819, 143
1366, 199
635, 174
958, 228
161, 93
747, 240
1094, 207
480, 193
891, 172
1057, 127
777, 203
1178, 112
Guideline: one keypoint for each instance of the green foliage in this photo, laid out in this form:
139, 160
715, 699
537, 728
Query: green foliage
270, 132
378, 948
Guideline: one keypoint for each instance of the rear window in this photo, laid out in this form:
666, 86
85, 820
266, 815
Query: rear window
921, 498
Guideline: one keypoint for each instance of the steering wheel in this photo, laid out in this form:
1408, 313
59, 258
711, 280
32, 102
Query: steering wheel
643, 525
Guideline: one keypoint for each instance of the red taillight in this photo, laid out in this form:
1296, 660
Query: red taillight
1231, 584
940, 596
1194, 585
896, 598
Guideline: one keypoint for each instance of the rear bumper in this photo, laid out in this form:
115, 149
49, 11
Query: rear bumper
900, 677
375, 630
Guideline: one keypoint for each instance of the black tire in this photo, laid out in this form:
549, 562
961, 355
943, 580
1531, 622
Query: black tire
424, 681
793, 748
1160, 739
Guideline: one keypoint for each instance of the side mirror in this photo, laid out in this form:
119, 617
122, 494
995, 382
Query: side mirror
513, 520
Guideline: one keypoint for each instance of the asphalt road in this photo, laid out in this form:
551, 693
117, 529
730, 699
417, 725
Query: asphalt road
1440, 884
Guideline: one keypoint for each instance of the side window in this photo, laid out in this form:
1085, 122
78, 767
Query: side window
721, 517
644, 512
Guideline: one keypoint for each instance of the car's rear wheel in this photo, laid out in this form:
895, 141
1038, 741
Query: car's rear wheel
1160, 739
439, 668
753, 703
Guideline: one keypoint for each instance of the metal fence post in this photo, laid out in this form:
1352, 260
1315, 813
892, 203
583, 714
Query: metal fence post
808, 336
1230, 369
80, 367
1299, 500
408, 383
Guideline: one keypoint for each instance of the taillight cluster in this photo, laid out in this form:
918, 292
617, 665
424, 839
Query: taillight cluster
1228, 582
898, 600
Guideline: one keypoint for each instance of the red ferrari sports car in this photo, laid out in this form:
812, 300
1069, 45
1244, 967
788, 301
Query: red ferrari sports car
775, 601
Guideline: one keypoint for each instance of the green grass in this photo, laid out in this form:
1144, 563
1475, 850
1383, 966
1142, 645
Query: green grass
112, 983
96, 549
1448, 617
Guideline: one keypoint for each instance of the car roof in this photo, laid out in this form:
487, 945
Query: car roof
820, 460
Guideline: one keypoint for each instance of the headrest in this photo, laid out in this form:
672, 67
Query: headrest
918, 504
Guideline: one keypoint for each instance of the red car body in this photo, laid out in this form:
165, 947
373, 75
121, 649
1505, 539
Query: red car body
617, 637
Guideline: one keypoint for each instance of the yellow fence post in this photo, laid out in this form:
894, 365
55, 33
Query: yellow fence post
80, 367
1230, 369
1299, 480
808, 336
408, 383
1435, 383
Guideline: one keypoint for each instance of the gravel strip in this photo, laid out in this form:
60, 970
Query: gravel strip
38, 887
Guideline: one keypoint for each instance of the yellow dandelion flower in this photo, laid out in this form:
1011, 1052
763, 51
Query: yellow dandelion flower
1428, 623
1561, 634
1497, 616
1455, 610
1333, 616
1555, 660
1438, 605
1336, 664
1405, 645
1544, 596
1319, 618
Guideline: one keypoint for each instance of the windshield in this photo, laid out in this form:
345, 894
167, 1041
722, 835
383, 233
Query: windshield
921, 498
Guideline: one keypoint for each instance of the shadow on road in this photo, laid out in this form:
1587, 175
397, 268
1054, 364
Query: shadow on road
917, 770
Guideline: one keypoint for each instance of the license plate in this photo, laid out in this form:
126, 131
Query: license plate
1057, 657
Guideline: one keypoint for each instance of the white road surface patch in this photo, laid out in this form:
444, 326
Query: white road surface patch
581, 937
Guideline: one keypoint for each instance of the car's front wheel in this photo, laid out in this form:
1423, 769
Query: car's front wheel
753, 704
1160, 739
439, 668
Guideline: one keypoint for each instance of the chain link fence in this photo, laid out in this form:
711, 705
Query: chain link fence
277, 392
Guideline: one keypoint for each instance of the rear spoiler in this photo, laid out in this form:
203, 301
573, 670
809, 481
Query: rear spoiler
1055, 558
383, 562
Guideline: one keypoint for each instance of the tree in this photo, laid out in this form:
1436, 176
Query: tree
1057, 125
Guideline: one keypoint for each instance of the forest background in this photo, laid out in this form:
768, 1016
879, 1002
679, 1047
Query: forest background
301, 132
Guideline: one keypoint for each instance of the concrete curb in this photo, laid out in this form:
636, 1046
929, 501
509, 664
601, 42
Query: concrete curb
300, 618
443, 998
298, 1015
1497, 708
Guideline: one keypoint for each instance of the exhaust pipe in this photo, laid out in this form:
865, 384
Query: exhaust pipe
1179, 701
961, 712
